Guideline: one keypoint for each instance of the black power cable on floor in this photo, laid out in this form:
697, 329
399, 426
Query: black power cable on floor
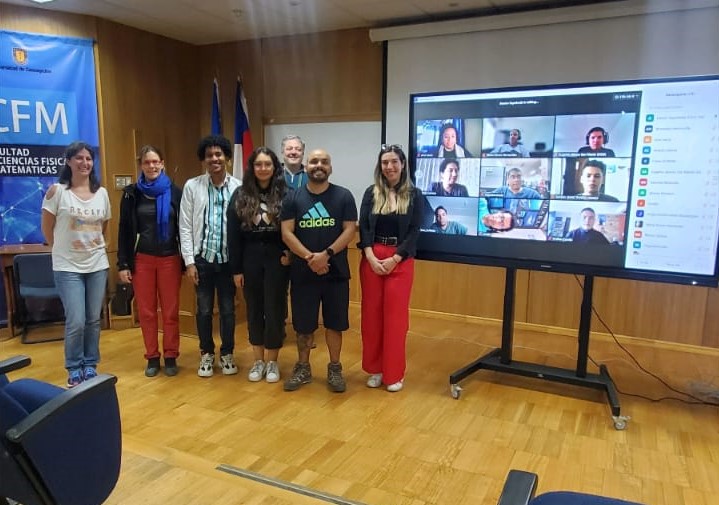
697, 400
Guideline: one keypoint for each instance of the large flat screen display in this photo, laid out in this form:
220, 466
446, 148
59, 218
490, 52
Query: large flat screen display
614, 179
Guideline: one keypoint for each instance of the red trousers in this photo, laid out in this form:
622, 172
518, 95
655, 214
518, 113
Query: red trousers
385, 316
158, 277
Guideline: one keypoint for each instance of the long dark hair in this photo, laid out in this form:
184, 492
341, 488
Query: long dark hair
65, 176
247, 204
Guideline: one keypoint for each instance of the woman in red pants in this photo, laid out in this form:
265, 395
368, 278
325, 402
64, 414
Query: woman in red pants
390, 218
148, 256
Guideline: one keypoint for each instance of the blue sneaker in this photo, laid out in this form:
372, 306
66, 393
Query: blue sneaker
89, 372
74, 378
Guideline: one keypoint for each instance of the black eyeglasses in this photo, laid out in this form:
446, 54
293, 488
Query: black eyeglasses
390, 147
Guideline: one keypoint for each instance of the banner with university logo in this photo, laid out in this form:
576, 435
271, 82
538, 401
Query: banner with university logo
47, 101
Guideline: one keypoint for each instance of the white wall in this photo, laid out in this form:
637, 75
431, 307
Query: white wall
353, 146
633, 46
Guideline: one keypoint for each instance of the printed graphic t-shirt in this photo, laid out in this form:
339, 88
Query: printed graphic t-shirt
318, 223
79, 245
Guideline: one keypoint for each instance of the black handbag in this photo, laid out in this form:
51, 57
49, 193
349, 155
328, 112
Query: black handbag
121, 304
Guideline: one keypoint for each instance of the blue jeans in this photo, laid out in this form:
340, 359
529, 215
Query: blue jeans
82, 295
215, 276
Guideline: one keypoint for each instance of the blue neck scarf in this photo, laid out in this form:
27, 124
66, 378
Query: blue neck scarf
161, 190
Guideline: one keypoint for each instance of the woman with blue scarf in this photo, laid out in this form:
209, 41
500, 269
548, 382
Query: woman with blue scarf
148, 256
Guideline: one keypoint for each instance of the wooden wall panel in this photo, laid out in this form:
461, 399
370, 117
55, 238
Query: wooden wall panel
649, 310
458, 289
554, 299
148, 90
664, 312
710, 336
26, 19
321, 77
354, 256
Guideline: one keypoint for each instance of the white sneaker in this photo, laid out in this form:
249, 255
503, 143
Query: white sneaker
374, 380
257, 371
207, 361
273, 372
397, 386
227, 363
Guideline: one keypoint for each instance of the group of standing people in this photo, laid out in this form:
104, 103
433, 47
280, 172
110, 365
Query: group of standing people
281, 226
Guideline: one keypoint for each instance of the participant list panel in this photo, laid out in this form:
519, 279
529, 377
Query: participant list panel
674, 206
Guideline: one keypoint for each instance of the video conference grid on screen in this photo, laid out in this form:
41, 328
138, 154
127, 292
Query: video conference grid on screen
623, 176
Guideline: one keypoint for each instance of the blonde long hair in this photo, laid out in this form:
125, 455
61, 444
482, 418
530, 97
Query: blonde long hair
404, 187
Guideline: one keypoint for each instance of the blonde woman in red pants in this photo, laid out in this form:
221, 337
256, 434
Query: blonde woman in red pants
390, 218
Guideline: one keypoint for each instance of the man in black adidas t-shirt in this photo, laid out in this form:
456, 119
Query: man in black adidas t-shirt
318, 221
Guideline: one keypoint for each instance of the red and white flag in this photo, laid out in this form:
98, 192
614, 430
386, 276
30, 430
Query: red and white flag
243, 136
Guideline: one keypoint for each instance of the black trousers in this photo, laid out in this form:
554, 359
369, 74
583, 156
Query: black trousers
265, 291
215, 277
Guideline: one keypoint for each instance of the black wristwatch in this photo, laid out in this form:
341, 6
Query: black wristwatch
330, 252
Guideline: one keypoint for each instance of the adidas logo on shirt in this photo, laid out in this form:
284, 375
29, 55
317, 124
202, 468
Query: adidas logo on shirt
317, 217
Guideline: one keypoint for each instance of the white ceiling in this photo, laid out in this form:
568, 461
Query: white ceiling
212, 21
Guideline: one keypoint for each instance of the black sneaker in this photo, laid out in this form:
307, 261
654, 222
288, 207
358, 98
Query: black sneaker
335, 381
153, 367
171, 367
301, 374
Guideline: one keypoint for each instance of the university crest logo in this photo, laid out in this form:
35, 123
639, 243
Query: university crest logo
19, 55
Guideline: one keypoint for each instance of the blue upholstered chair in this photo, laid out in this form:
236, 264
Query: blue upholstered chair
35, 282
520, 487
58, 446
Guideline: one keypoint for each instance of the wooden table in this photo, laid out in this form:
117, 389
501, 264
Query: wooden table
7, 254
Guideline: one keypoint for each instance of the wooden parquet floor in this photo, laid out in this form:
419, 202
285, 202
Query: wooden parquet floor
416, 447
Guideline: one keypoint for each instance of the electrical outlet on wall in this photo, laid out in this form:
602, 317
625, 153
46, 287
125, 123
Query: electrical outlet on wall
122, 180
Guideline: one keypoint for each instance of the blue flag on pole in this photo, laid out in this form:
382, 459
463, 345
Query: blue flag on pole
216, 124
